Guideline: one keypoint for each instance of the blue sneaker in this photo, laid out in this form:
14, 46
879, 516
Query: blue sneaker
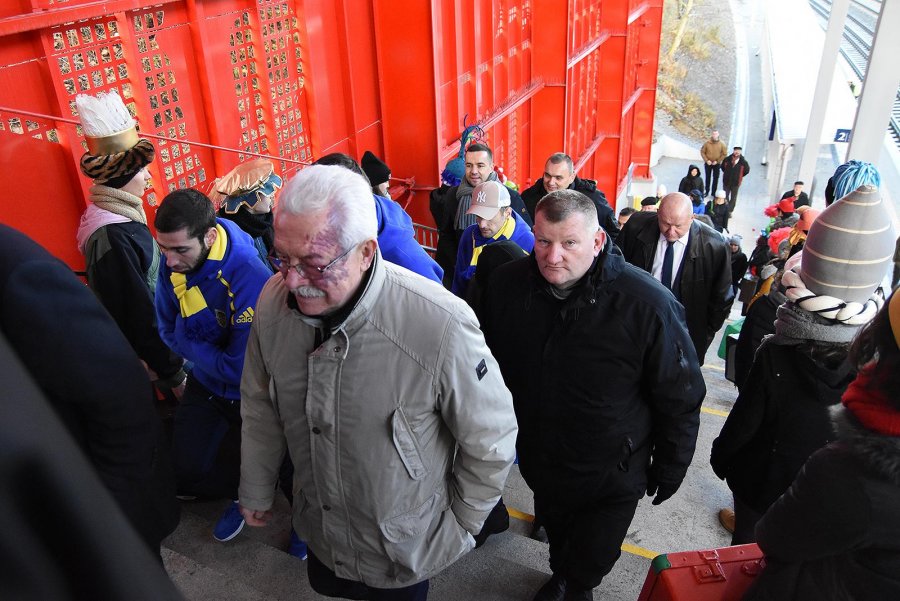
230, 524
297, 547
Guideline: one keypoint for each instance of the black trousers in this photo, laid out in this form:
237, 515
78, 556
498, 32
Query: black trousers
586, 538
745, 519
712, 183
326, 582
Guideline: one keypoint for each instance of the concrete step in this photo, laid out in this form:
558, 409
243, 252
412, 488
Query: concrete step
200, 583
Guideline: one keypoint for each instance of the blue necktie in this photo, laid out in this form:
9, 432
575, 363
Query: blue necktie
668, 259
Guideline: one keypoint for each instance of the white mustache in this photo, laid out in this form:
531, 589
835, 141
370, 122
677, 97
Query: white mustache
308, 292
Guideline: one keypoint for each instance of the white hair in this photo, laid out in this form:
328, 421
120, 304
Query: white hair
343, 194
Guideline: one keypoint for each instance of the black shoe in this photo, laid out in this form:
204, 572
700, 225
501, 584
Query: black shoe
497, 521
539, 533
553, 590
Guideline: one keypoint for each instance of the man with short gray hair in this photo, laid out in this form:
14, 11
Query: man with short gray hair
605, 382
559, 174
381, 388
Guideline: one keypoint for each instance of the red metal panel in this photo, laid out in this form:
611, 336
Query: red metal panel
299, 78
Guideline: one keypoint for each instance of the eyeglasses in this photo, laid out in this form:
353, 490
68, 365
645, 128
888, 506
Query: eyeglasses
310, 272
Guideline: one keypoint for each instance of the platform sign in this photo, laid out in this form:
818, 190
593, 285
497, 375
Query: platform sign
842, 135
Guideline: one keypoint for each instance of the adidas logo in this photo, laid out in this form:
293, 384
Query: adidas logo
246, 316
481, 198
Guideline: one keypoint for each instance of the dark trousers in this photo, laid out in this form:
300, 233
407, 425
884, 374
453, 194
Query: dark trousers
206, 441
712, 183
745, 519
325, 582
586, 539
731, 195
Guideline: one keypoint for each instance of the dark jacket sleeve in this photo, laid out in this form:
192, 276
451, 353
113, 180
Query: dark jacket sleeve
676, 390
117, 279
721, 295
94, 380
744, 422
531, 196
518, 205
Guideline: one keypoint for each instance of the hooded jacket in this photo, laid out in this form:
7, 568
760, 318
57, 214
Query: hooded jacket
472, 242
691, 182
399, 426
397, 240
605, 214
780, 418
209, 323
603, 381
835, 534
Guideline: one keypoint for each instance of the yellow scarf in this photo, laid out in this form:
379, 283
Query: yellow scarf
191, 299
507, 230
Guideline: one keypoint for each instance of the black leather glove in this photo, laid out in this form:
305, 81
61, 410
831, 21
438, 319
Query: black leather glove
661, 490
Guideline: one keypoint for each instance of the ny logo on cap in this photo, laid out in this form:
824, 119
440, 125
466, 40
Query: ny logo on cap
481, 198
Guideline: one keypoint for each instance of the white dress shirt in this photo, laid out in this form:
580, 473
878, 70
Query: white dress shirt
677, 255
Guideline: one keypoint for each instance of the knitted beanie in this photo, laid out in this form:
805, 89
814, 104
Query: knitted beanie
376, 170
847, 253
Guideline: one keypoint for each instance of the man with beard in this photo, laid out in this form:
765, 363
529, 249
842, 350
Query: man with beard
205, 303
449, 211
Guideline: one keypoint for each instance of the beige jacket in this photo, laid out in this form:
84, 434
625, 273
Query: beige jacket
713, 151
399, 426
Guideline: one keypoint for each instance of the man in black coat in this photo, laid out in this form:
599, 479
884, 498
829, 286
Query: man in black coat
605, 384
734, 168
93, 379
699, 269
449, 208
559, 174
801, 198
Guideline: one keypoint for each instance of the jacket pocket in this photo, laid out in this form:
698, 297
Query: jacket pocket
407, 446
425, 539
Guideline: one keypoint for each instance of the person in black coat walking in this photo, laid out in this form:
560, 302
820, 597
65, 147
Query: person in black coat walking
734, 168
93, 379
700, 269
559, 174
605, 384
835, 534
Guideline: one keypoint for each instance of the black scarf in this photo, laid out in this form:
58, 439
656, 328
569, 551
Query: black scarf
258, 225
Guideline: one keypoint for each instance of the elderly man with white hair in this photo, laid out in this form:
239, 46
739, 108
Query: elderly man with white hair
380, 386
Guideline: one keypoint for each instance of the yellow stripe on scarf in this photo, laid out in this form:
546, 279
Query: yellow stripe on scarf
191, 300
507, 230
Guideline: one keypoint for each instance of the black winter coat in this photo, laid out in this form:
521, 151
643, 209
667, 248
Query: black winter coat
703, 283
119, 256
605, 214
835, 535
92, 378
601, 382
779, 419
760, 322
718, 214
691, 182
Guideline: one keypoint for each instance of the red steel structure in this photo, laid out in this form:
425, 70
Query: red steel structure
220, 81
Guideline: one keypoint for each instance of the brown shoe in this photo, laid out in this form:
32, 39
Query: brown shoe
726, 518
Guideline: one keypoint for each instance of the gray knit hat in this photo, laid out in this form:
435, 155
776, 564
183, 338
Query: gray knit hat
846, 255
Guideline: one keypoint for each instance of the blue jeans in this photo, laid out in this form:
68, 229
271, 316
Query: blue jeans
325, 582
206, 442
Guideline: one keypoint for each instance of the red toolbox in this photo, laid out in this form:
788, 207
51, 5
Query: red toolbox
712, 575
